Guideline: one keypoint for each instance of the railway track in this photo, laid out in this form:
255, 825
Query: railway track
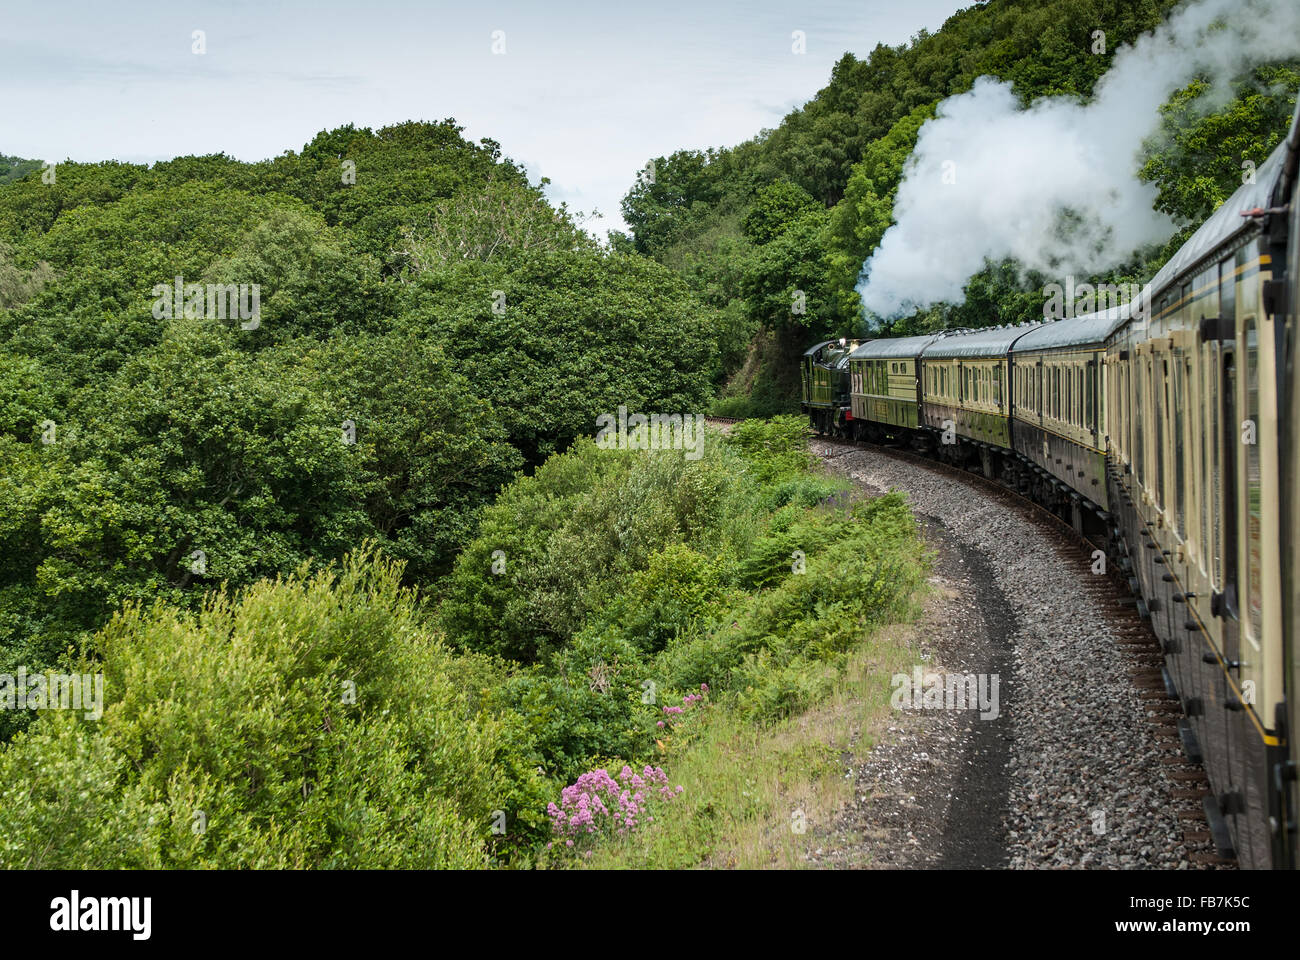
1117, 637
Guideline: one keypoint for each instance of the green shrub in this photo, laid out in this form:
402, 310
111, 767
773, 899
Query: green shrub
860, 570
675, 594
306, 722
585, 704
572, 536
776, 449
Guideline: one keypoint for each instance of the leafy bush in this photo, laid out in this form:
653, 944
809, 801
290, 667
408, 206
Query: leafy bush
306, 722
861, 570
572, 536
775, 449
586, 703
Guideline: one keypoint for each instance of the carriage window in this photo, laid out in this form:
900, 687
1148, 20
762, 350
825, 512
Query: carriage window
1227, 449
1178, 414
1125, 437
1091, 381
1209, 467
1139, 421
1203, 446
997, 385
1159, 375
1207, 286
1254, 489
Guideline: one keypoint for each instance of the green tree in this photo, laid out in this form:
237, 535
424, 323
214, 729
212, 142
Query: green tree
1199, 156
555, 339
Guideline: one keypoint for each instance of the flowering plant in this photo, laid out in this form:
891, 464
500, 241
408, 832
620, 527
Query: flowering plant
673, 714
598, 805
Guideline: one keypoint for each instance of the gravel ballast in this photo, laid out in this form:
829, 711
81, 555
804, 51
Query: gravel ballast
1076, 771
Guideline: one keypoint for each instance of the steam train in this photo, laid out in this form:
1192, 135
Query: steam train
1167, 429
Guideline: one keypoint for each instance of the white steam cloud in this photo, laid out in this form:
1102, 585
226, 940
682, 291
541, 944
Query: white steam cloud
989, 180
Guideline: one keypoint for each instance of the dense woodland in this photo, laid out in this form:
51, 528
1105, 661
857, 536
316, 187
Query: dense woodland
361, 587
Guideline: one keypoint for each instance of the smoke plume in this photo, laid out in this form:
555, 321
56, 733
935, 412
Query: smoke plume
990, 180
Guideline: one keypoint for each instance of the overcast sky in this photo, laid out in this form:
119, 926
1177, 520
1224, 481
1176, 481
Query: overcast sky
584, 93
